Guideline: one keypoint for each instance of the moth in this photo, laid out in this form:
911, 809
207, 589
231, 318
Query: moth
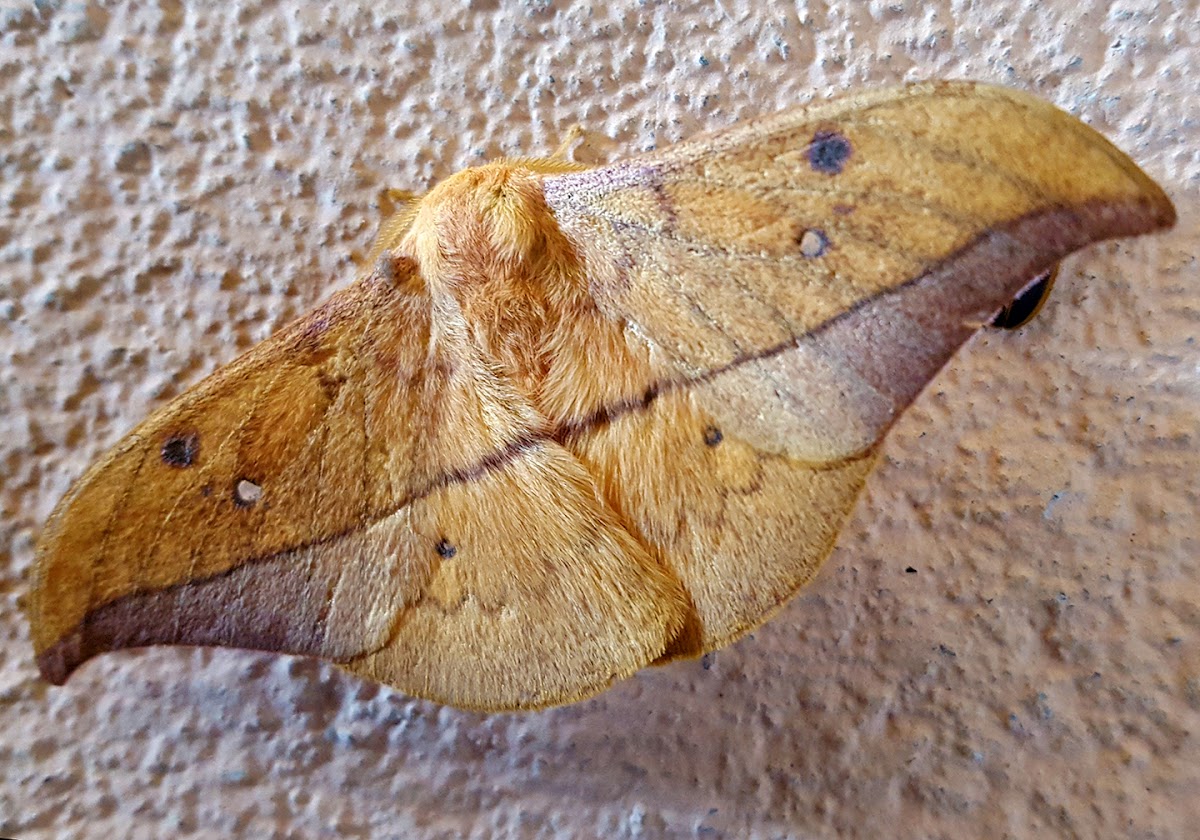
576, 421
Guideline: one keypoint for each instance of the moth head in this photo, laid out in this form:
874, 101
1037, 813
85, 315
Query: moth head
482, 220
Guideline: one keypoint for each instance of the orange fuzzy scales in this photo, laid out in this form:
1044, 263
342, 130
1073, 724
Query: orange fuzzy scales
577, 422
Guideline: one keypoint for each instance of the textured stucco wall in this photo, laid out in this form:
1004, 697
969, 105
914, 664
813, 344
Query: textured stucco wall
176, 183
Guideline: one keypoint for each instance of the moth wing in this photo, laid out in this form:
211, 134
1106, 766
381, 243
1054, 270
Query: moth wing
248, 463
809, 272
801, 278
545, 597
343, 488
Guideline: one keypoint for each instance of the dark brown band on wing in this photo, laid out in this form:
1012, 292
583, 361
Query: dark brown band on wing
264, 606
896, 341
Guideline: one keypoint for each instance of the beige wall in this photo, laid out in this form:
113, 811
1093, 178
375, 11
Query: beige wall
177, 183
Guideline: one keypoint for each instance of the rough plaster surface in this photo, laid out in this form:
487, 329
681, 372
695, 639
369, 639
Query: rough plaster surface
1006, 642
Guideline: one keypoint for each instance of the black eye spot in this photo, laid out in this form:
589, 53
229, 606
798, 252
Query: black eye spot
446, 549
813, 243
713, 436
828, 152
180, 450
910, 570
246, 493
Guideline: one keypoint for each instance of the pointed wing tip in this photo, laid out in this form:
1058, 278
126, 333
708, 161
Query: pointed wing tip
60, 659
898, 341
1148, 194
1148, 207
58, 652
1165, 216
1147, 211
56, 657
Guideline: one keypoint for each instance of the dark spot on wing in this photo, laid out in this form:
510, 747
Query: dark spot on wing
180, 450
712, 436
446, 549
828, 152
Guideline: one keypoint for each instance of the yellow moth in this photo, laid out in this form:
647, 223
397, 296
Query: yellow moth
576, 421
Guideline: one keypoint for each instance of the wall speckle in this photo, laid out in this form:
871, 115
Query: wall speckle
1006, 641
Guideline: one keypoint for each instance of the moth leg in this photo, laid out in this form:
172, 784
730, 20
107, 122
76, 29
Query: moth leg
391, 198
574, 134
396, 207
